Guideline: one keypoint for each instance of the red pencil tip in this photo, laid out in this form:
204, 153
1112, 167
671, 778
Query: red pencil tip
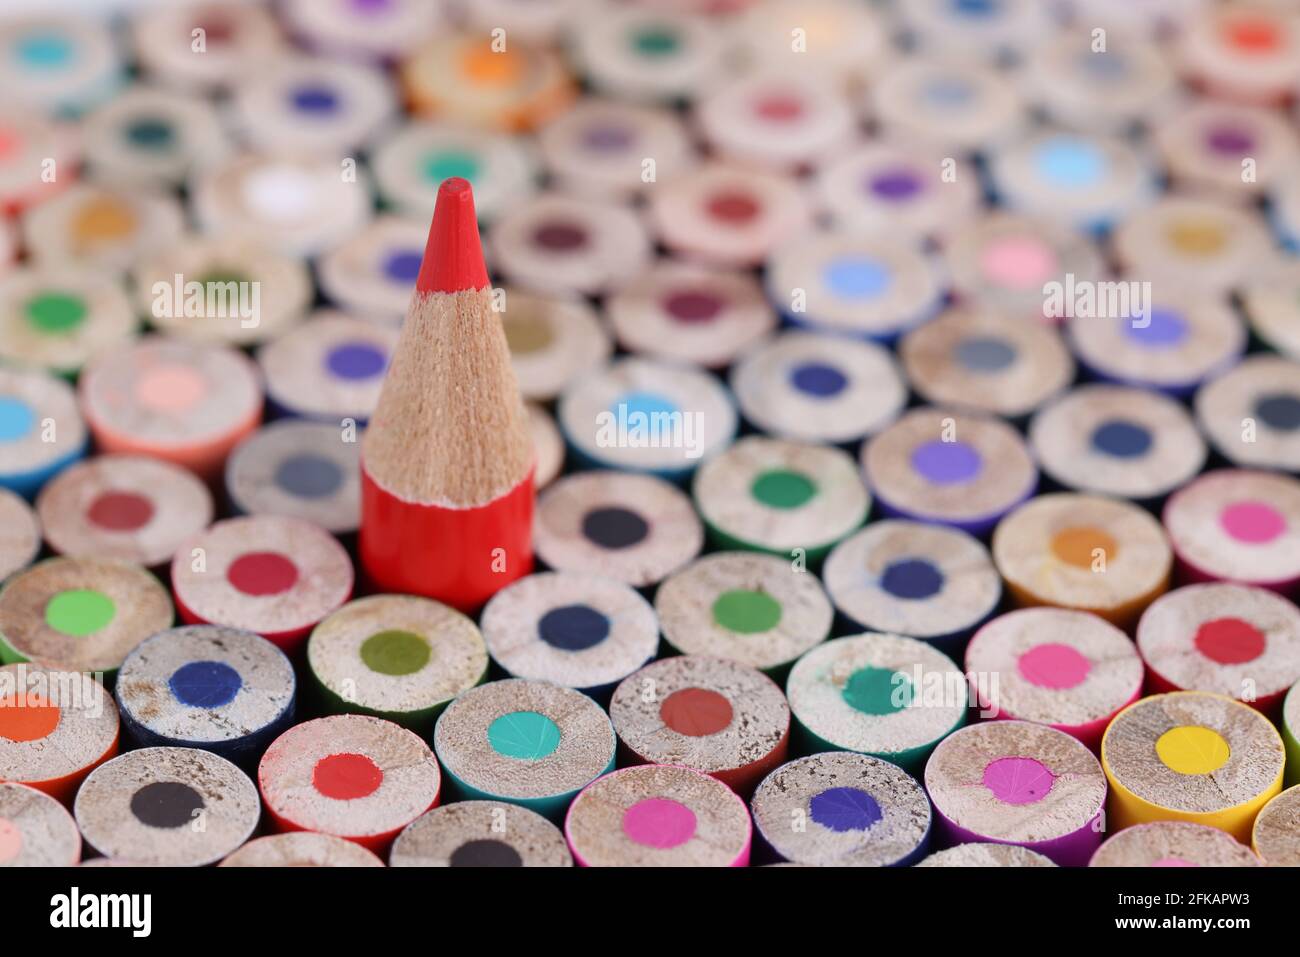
453, 257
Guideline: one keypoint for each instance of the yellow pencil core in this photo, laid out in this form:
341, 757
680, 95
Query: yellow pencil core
1191, 749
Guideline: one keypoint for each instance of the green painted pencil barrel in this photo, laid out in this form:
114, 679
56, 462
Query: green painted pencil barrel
786, 498
399, 657
1291, 734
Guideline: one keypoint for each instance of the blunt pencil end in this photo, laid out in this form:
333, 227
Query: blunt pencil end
453, 256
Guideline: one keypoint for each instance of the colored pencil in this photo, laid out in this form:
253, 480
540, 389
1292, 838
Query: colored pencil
301, 849
310, 105
237, 38
954, 106
1179, 341
80, 614
685, 313
1130, 84
410, 164
1191, 756
647, 415
788, 498
176, 807
480, 834
921, 581
1012, 782
1276, 834
84, 68
55, 728
176, 399
350, 775
1204, 144
1088, 182
1084, 552
129, 508
567, 245
1003, 261
372, 272
888, 187
307, 470
727, 215
1117, 440
530, 743
986, 362
20, 534
107, 227
658, 816
458, 471
874, 288
755, 609
841, 810
37, 831
398, 657
250, 292
1067, 669
1251, 413
987, 855
1173, 844
153, 136
600, 146
463, 78
662, 55
954, 468
816, 388
717, 716
58, 318
329, 368
1237, 525
1247, 54
776, 120
268, 574
207, 686
1190, 244
580, 631
1232, 640
300, 204
636, 529
553, 341
886, 696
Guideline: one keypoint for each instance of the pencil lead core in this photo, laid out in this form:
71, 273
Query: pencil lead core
453, 256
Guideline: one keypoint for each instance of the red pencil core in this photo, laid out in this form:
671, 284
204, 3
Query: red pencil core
453, 256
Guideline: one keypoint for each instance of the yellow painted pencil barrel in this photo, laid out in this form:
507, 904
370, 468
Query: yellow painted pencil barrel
1191, 756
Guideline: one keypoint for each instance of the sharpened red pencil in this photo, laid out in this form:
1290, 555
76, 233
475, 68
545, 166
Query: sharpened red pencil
447, 462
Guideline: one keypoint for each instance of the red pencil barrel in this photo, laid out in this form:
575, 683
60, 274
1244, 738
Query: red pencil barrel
459, 556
